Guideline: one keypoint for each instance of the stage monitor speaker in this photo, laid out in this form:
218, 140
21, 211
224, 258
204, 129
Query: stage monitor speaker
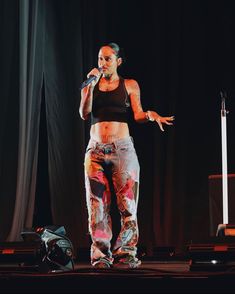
57, 251
25, 255
212, 256
216, 201
44, 249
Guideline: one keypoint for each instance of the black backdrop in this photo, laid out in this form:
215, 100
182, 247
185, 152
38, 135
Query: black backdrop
182, 55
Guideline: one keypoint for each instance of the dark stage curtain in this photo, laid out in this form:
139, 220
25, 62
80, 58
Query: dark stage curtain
182, 55
9, 112
30, 84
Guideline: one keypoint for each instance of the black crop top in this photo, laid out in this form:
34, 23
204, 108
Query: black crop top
110, 105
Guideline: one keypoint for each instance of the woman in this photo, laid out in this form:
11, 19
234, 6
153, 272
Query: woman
111, 158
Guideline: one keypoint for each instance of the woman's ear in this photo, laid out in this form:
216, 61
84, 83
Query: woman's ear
119, 61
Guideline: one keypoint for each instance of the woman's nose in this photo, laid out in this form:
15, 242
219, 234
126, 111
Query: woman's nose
101, 63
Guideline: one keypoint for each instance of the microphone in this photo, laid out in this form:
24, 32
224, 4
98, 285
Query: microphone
89, 80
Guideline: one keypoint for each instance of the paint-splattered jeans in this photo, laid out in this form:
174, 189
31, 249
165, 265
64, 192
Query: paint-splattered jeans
116, 161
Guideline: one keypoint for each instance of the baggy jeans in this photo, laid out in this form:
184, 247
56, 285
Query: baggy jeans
118, 161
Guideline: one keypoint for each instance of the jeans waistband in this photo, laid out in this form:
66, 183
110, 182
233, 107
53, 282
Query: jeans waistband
116, 143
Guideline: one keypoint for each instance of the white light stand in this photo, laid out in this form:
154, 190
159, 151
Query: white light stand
224, 158
224, 229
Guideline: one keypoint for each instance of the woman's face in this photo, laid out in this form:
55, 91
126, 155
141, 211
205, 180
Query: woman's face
108, 61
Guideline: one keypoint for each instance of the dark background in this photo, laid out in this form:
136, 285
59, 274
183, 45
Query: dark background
182, 55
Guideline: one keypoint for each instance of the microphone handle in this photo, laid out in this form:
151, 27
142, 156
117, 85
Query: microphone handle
89, 80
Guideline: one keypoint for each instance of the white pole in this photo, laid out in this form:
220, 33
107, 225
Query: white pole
224, 161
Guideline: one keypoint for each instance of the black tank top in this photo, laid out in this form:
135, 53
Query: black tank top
110, 105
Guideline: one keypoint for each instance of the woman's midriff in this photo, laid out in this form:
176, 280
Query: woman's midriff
108, 132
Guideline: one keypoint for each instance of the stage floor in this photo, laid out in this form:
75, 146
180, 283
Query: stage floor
170, 276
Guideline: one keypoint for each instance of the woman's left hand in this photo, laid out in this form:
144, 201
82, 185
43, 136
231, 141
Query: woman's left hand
168, 120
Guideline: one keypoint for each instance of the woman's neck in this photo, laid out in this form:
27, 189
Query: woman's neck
111, 78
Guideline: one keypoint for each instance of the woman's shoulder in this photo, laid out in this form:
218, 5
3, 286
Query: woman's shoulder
131, 84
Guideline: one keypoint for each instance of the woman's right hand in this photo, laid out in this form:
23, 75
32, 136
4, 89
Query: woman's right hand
94, 72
